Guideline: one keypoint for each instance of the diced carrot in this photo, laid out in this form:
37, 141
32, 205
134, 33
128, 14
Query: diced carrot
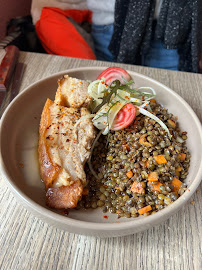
171, 123
153, 176
137, 187
177, 171
143, 140
147, 164
145, 209
127, 147
156, 186
129, 174
182, 156
176, 183
160, 159
152, 100
85, 192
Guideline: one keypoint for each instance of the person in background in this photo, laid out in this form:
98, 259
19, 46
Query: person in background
102, 26
162, 33
200, 35
157, 56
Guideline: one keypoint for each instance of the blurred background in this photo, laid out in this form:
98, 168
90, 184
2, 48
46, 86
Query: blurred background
160, 33
12, 9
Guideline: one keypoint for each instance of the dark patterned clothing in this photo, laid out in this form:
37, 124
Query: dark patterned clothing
179, 27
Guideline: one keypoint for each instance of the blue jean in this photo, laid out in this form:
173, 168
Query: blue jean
102, 35
159, 57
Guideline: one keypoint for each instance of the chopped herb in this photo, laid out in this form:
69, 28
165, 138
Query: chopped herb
107, 98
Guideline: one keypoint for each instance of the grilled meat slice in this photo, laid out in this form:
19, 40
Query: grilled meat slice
72, 92
64, 148
64, 196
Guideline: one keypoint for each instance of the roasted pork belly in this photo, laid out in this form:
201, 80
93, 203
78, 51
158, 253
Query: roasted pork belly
64, 148
72, 92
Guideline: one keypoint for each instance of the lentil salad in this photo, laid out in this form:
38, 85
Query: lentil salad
140, 169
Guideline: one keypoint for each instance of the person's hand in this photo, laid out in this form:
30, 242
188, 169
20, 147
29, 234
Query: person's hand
200, 63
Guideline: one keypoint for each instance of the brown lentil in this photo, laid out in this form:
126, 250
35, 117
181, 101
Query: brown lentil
120, 152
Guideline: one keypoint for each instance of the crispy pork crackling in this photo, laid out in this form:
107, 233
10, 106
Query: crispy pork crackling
64, 146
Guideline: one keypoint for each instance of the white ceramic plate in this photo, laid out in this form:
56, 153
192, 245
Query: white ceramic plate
19, 164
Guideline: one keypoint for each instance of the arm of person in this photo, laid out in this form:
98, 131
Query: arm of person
200, 35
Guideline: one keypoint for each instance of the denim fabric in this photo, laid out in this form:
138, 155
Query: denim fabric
102, 36
159, 57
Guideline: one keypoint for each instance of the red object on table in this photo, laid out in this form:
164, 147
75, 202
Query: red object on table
7, 66
6, 70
